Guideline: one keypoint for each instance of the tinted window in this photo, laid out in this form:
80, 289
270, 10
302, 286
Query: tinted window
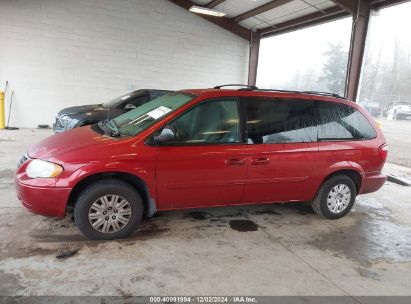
138, 101
339, 122
280, 121
214, 121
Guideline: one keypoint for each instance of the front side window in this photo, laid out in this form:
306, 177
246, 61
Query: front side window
272, 121
135, 121
213, 121
342, 122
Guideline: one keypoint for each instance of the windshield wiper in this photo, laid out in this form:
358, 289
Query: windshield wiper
114, 132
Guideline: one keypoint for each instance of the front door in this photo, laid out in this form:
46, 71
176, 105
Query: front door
282, 149
205, 164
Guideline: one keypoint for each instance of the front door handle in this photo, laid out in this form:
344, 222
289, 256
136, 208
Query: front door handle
260, 161
235, 162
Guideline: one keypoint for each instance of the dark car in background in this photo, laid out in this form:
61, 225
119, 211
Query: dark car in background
79, 116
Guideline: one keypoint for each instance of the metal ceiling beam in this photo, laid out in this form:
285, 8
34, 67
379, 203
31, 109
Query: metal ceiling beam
325, 15
357, 47
386, 3
307, 24
348, 5
253, 58
259, 10
214, 3
222, 22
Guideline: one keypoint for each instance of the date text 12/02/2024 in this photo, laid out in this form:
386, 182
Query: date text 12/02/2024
203, 299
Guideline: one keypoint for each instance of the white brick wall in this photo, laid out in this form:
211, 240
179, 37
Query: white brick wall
58, 53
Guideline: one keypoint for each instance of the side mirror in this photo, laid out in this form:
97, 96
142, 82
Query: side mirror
166, 135
129, 107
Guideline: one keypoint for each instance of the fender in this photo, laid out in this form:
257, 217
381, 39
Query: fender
319, 179
345, 165
129, 166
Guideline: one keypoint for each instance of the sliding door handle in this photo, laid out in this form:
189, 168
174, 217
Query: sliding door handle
260, 161
235, 162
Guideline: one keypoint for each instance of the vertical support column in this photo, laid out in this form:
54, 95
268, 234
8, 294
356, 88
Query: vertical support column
2, 111
253, 57
357, 47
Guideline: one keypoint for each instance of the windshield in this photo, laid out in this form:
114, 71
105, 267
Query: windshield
139, 119
118, 100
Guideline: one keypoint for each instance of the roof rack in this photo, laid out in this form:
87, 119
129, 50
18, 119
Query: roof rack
245, 86
325, 94
254, 88
306, 92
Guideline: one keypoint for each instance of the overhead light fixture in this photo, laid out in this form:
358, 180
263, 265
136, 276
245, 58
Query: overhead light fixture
206, 11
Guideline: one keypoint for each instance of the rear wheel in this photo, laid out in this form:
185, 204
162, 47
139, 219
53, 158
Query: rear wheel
108, 209
335, 197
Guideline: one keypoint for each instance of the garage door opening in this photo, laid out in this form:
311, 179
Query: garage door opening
313, 59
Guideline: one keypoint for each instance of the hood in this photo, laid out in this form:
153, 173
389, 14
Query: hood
91, 112
57, 144
81, 109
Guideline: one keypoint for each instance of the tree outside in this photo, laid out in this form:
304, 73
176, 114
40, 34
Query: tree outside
335, 68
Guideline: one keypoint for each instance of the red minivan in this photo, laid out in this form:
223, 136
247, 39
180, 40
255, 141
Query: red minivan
205, 148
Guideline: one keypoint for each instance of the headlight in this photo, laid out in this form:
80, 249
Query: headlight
65, 120
41, 168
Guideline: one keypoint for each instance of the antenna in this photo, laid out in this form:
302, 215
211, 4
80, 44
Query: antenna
108, 113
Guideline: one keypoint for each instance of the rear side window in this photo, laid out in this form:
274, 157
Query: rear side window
272, 121
342, 122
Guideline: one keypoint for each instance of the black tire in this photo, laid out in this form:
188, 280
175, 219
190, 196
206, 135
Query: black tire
101, 188
319, 204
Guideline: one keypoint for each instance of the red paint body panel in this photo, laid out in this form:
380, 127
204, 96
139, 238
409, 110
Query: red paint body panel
286, 174
179, 177
372, 181
188, 177
44, 201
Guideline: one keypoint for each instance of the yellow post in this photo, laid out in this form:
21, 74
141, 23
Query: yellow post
2, 112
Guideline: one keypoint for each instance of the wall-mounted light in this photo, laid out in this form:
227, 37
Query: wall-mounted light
206, 11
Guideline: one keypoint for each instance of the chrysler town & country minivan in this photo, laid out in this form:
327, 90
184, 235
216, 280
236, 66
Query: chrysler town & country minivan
202, 148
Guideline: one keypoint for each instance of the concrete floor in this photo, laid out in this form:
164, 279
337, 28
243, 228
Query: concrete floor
398, 135
255, 250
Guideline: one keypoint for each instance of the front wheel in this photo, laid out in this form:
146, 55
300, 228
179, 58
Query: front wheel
335, 197
108, 209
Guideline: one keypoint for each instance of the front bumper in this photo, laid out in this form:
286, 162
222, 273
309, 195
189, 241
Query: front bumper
372, 182
48, 201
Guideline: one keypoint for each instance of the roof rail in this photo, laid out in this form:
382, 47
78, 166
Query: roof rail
252, 88
246, 87
305, 92
324, 93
